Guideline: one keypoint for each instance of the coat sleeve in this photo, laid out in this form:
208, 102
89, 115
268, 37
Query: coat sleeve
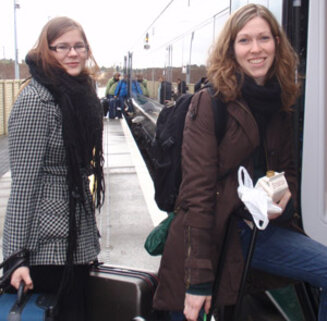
109, 84
198, 189
28, 136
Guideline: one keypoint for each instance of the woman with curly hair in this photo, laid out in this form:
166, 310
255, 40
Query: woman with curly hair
55, 145
253, 70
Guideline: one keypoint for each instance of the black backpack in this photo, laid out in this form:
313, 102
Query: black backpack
167, 145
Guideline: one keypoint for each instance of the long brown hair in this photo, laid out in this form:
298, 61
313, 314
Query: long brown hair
55, 28
223, 67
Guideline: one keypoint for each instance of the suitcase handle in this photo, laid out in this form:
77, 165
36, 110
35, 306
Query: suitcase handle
20, 293
10, 264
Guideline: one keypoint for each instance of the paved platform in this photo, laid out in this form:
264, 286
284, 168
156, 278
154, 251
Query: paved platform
129, 212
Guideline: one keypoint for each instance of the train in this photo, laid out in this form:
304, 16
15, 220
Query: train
305, 23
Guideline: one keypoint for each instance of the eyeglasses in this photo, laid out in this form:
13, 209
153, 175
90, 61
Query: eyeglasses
65, 49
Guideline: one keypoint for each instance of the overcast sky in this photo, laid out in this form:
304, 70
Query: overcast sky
113, 27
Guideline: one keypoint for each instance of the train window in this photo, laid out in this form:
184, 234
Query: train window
275, 6
219, 21
202, 39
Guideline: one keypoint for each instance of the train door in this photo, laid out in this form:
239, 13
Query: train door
306, 26
314, 174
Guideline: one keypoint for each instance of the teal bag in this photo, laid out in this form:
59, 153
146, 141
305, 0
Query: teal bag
155, 242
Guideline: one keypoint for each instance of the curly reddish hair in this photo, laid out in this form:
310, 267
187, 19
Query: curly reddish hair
223, 67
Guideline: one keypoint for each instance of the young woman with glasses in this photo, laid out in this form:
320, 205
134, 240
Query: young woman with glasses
55, 145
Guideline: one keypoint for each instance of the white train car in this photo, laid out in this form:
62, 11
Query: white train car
305, 23
314, 166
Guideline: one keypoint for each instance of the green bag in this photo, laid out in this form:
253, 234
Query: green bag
155, 242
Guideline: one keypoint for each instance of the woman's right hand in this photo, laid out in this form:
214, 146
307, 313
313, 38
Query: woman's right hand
282, 203
193, 305
19, 275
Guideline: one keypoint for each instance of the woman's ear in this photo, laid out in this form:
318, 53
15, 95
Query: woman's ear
277, 40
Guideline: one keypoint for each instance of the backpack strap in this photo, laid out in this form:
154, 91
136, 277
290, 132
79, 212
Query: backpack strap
218, 107
220, 117
219, 113
195, 103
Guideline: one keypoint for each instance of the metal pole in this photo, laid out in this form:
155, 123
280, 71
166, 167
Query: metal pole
188, 75
125, 65
17, 76
214, 29
129, 73
170, 63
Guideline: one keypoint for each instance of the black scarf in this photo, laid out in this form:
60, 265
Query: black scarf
263, 101
82, 127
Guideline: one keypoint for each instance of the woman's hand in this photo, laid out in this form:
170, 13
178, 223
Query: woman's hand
193, 305
282, 203
22, 274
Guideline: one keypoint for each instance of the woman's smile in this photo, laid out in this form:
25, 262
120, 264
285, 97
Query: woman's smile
254, 49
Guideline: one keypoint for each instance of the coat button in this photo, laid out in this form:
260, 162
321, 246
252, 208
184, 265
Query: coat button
217, 193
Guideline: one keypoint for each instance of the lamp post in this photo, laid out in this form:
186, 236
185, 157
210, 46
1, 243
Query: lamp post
188, 71
129, 72
169, 75
16, 6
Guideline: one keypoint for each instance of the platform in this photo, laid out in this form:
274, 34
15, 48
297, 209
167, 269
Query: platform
129, 212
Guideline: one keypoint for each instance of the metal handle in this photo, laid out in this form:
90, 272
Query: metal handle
20, 293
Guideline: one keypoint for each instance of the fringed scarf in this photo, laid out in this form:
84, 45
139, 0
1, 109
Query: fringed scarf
82, 127
264, 101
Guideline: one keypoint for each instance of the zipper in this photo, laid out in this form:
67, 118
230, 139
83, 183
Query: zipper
188, 279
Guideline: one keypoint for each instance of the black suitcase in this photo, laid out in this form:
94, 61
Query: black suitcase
117, 293
114, 108
105, 105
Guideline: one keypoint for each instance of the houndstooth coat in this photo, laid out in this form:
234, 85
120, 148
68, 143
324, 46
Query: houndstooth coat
37, 211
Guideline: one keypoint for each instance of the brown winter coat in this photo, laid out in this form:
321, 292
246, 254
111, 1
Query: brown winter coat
205, 202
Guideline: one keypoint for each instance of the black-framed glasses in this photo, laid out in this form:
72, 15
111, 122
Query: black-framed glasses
65, 48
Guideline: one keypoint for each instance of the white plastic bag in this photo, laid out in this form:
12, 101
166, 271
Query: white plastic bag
256, 200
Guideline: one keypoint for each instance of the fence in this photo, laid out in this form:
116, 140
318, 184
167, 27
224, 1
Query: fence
8, 91
154, 85
10, 88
